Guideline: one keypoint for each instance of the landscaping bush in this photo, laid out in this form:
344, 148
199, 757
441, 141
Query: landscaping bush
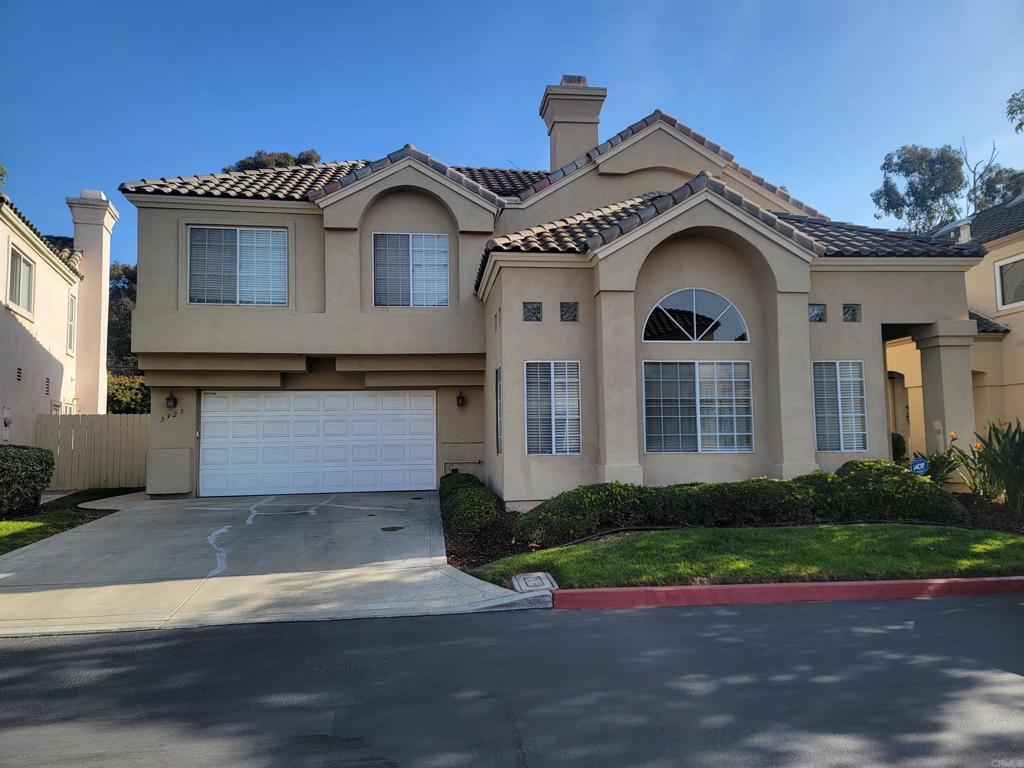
466, 505
877, 491
867, 491
1001, 452
899, 448
24, 474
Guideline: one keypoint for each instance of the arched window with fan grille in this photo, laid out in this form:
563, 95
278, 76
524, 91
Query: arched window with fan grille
695, 315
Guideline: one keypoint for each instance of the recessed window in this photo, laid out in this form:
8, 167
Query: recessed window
840, 408
533, 311
695, 314
72, 318
817, 313
851, 313
553, 407
22, 280
698, 407
238, 266
1010, 282
497, 409
410, 270
569, 311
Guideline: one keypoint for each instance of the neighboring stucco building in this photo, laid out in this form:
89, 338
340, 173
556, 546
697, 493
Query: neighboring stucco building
640, 312
995, 294
53, 334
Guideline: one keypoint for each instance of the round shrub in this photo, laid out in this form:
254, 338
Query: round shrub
24, 474
760, 501
466, 504
870, 491
586, 510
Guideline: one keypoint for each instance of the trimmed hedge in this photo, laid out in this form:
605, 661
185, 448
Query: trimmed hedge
865, 491
24, 474
466, 504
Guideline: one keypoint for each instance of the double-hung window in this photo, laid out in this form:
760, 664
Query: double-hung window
22, 280
840, 409
698, 407
238, 265
553, 407
1010, 282
72, 312
410, 270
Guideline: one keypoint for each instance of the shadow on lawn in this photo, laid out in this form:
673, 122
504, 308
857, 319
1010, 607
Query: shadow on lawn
899, 683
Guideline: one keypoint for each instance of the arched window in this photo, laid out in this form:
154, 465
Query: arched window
695, 314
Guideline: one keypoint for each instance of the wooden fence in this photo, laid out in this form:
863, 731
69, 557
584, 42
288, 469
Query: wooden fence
95, 450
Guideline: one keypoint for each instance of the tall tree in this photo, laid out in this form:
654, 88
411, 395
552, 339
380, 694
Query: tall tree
921, 186
3, 174
262, 159
1015, 110
123, 287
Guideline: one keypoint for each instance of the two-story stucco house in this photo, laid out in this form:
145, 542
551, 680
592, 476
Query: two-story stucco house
53, 330
995, 294
647, 310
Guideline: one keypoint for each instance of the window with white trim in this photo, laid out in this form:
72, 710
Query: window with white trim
72, 318
553, 407
1010, 282
497, 408
840, 407
698, 407
695, 314
22, 280
238, 265
410, 270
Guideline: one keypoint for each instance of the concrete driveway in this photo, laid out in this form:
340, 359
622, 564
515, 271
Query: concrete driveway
197, 562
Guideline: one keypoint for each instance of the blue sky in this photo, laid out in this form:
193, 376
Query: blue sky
809, 94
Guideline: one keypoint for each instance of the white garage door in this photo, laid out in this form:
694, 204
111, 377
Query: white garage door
312, 442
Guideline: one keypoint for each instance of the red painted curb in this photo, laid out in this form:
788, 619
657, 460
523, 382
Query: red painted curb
742, 594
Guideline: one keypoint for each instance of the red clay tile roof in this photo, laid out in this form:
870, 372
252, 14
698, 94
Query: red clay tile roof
588, 230
61, 245
657, 116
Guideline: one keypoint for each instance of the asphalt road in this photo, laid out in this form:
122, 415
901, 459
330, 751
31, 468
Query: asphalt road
903, 683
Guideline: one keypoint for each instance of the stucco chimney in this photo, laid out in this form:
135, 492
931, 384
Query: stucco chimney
964, 235
571, 111
94, 216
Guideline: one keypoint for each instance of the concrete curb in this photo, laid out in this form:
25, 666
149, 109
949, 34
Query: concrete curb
744, 594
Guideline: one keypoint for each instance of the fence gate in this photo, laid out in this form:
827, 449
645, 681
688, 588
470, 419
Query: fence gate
98, 450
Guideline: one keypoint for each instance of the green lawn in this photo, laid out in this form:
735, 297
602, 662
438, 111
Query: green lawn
764, 555
59, 515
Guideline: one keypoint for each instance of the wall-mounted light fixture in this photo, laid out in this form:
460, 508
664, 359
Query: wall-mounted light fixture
172, 401
460, 399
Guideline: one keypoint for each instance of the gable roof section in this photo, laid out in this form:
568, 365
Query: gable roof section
986, 324
589, 230
841, 238
62, 246
289, 183
657, 116
998, 221
298, 182
408, 152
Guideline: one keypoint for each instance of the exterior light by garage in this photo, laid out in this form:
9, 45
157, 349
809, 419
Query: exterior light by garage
172, 401
460, 399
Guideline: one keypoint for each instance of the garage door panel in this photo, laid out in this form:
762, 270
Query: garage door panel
316, 442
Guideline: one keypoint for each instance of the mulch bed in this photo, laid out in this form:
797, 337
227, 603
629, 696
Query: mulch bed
990, 514
467, 551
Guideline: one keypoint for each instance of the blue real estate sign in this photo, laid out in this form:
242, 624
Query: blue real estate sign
919, 466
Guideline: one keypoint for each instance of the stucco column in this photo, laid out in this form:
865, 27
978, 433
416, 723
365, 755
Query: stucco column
618, 425
795, 424
946, 380
94, 218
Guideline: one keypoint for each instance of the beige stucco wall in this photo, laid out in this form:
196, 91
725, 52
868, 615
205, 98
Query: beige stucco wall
35, 342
